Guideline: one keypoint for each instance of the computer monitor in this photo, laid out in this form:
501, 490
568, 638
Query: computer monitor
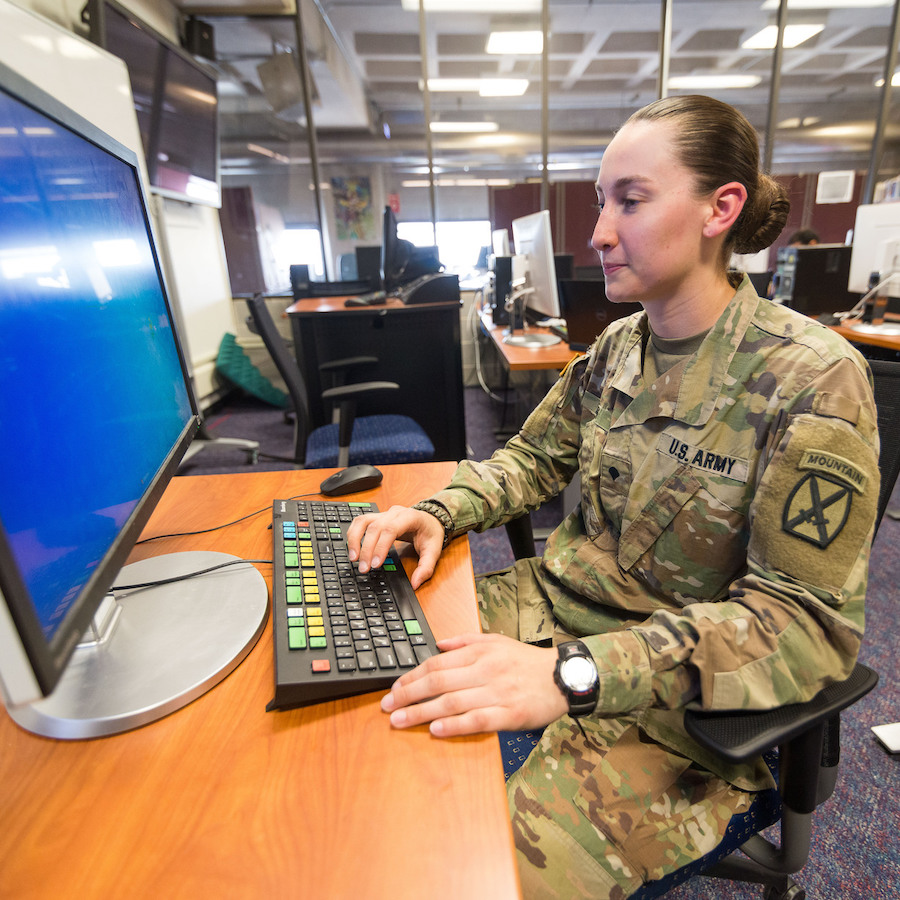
500, 242
176, 101
534, 244
876, 248
96, 411
813, 278
401, 261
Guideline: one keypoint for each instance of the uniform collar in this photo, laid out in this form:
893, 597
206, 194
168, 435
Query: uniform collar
683, 393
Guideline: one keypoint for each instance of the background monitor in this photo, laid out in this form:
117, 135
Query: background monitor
813, 278
500, 242
97, 410
533, 242
176, 102
588, 311
876, 247
401, 261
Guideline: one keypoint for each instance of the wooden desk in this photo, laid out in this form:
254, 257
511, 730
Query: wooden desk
527, 359
885, 342
222, 799
418, 347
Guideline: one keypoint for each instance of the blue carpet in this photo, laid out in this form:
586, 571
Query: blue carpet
855, 853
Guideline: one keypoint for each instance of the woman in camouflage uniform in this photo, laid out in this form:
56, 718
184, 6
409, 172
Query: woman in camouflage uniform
727, 449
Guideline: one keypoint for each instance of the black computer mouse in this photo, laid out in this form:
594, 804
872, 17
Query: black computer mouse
351, 480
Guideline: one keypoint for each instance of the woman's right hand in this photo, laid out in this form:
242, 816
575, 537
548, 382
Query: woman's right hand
371, 536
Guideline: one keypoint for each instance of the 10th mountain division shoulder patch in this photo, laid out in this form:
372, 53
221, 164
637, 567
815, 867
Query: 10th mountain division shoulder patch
817, 508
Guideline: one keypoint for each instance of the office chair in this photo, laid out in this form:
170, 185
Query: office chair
800, 742
366, 439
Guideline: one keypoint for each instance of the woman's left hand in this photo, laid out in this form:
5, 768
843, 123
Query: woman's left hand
481, 682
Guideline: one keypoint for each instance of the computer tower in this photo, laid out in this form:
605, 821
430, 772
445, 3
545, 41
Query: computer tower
368, 263
813, 279
502, 279
565, 265
300, 283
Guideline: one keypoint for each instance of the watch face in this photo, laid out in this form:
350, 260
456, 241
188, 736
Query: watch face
578, 674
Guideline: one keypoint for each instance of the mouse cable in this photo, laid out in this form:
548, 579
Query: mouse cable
186, 575
159, 537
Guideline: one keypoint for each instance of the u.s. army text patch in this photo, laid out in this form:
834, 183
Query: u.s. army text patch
704, 458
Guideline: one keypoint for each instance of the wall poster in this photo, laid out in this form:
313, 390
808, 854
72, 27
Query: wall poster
353, 213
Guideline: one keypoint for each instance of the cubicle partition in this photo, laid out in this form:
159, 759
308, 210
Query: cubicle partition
418, 347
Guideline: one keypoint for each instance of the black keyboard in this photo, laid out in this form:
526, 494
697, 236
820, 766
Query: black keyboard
337, 632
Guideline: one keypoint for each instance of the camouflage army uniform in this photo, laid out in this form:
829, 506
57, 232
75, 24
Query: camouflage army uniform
718, 557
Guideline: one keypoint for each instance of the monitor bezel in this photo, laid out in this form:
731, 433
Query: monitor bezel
48, 658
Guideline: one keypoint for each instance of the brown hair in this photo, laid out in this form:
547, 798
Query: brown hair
719, 145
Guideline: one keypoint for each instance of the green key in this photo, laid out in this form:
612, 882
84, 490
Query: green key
291, 560
297, 638
412, 626
293, 594
318, 643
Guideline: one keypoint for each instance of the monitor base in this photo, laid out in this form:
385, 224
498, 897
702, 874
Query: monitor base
531, 340
166, 646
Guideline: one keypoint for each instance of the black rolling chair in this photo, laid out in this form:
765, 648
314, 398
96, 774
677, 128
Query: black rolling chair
351, 440
801, 742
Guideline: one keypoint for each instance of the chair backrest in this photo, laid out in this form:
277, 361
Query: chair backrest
287, 368
886, 376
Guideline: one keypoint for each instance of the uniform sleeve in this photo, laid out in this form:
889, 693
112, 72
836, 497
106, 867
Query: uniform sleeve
793, 620
533, 467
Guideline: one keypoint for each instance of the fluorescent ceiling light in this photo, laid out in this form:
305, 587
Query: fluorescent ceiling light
486, 87
477, 6
895, 80
794, 35
458, 182
265, 151
712, 82
518, 43
467, 127
570, 166
828, 4
503, 87
800, 122
455, 85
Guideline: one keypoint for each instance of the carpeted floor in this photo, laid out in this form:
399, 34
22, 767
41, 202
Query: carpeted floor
856, 851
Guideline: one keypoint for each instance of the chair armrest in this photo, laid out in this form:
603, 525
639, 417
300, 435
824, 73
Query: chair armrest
346, 391
520, 533
347, 363
739, 736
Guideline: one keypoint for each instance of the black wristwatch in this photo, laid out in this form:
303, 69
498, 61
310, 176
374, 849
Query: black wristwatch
576, 676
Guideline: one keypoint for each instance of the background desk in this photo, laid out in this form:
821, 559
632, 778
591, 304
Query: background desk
880, 346
222, 799
537, 362
528, 359
418, 347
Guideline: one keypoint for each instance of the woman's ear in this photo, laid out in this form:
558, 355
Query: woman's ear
726, 204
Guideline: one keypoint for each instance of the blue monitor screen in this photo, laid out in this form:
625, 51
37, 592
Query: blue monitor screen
92, 391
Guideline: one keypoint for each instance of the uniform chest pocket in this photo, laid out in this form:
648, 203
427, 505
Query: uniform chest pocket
653, 519
688, 540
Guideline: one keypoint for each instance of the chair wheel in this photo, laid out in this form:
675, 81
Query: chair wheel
791, 892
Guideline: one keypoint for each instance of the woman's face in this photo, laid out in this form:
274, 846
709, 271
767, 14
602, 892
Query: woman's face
649, 233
